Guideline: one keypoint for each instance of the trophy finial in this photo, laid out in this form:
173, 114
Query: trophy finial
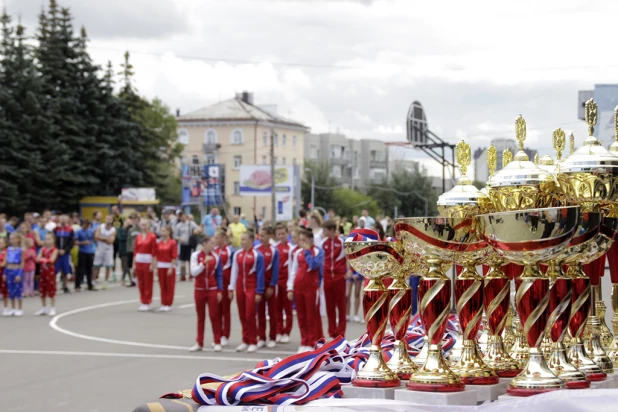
463, 153
571, 143
492, 159
559, 142
520, 131
507, 156
536, 158
591, 115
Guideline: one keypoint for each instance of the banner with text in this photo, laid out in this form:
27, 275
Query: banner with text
202, 181
257, 180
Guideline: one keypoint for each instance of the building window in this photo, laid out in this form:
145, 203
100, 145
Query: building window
265, 160
210, 159
355, 157
293, 141
284, 140
237, 210
236, 189
275, 159
346, 153
210, 137
237, 162
336, 173
283, 161
183, 137
265, 138
263, 212
237, 136
314, 152
195, 160
378, 156
335, 152
356, 173
294, 161
276, 140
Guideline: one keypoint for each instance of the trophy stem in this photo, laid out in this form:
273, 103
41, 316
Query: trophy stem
605, 334
400, 309
375, 373
420, 359
520, 348
613, 349
434, 294
595, 349
508, 332
499, 360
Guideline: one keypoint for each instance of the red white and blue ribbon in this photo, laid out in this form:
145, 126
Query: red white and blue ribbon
363, 235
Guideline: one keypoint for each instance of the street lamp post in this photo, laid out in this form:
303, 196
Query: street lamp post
312, 188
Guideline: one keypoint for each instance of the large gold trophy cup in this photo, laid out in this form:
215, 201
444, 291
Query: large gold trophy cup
529, 237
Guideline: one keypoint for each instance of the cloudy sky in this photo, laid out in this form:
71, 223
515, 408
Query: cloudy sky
355, 66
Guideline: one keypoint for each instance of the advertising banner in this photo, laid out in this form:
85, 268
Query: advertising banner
285, 206
140, 194
202, 181
256, 180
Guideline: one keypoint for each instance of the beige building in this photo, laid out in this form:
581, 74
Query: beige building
237, 132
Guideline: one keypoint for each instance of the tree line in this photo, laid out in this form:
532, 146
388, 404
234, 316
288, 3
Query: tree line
67, 130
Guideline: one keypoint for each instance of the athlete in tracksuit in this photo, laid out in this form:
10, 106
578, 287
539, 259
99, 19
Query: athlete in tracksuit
247, 280
335, 269
145, 258
226, 254
271, 277
205, 267
304, 282
285, 317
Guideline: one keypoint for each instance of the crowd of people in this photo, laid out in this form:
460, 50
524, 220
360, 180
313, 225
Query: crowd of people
269, 269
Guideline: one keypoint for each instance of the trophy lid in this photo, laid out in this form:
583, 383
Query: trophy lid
614, 146
591, 157
463, 199
520, 171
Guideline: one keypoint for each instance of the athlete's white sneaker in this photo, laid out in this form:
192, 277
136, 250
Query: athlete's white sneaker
217, 348
223, 341
357, 319
271, 344
261, 344
285, 339
301, 349
7, 312
162, 309
52, 312
43, 311
195, 348
252, 348
278, 338
144, 308
242, 347
18, 312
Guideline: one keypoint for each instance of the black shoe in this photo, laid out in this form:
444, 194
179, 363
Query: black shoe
93, 289
78, 289
132, 285
66, 290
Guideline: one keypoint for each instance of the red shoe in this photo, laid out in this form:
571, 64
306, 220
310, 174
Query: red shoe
183, 278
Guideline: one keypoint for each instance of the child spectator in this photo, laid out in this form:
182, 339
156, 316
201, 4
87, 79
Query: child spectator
13, 272
47, 283
29, 267
3, 290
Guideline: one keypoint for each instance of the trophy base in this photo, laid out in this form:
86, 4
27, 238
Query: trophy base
612, 352
375, 373
471, 368
400, 361
579, 359
435, 375
498, 360
559, 364
535, 378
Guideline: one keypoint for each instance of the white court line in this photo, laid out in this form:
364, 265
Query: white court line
124, 355
54, 325
188, 305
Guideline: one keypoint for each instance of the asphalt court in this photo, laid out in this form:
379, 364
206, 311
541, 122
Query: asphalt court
100, 354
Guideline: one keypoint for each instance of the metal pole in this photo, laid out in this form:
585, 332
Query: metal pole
443, 171
395, 213
312, 191
273, 198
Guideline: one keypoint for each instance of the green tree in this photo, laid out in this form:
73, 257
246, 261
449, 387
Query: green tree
324, 184
348, 202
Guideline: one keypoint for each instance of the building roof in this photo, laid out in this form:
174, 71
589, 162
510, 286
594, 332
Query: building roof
234, 110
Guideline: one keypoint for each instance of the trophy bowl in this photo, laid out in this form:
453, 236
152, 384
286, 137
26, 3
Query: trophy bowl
437, 240
375, 261
529, 237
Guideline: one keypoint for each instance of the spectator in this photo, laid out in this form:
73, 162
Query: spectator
12, 224
347, 226
41, 232
237, 229
3, 232
29, 267
330, 215
315, 223
26, 232
84, 239
3, 290
50, 225
65, 238
369, 220
118, 222
182, 232
13, 272
244, 221
166, 221
123, 236
134, 231
47, 281
76, 226
96, 220
211, 221
302, 215
105, 236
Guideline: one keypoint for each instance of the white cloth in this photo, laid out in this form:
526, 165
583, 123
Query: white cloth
143, 258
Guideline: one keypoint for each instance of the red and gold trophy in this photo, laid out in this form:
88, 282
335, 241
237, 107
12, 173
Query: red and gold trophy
462, 202
521, 237
375, 261
589, 178
435, 241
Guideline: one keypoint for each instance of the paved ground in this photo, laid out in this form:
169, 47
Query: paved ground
99, 354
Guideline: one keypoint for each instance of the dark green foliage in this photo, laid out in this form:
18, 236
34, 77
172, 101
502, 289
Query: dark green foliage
64, 133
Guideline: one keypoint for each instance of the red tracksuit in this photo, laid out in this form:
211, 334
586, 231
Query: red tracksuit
166, 253
226, 254
271, 279
284, 305
208, 283
143, 252
335, 286
47, 277
304, 279
248, 280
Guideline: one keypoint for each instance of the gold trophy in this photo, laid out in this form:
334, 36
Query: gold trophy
589, 178
463, 202
437, 240
374, 261
530, 237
